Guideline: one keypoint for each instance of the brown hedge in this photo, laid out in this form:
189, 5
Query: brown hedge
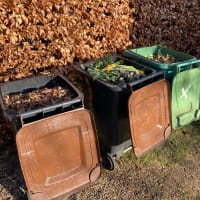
173, 23
39, 34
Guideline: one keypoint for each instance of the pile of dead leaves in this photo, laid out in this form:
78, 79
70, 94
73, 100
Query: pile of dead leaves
36, 34
24, 102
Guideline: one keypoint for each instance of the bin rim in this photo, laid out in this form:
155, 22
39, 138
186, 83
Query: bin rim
12, 115
132, 53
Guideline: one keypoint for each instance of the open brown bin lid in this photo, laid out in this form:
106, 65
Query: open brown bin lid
58, 154
149, 116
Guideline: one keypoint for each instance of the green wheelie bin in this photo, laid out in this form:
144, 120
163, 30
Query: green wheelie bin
183, 75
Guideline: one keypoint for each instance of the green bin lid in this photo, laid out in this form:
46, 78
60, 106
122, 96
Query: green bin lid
185, 103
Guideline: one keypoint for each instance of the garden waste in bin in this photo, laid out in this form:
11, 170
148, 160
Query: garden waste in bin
183, 72
131, 104
56, 139
160, 58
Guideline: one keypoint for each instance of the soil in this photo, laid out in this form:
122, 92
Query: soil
163, 174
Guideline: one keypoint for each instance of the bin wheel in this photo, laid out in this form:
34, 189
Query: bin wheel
108, 162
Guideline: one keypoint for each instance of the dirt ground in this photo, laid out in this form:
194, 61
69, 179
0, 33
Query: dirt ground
170, 172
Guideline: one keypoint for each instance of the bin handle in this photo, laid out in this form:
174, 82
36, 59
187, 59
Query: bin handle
197, 113
179, 66
28, 114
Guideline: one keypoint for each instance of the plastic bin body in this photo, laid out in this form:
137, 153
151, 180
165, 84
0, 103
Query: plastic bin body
57, 144
111, 110
170, 70
111, 116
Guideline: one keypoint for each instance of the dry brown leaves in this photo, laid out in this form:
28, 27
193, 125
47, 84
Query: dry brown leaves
23, 102
38, 34
175, 24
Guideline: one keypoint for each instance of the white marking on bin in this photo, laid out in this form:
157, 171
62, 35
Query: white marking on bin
184, 92
159, 126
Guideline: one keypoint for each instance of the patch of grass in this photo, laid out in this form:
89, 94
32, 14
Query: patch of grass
175, 151
180, 144
152, 158
179, 147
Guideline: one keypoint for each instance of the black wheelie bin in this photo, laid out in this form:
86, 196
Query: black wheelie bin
130, 113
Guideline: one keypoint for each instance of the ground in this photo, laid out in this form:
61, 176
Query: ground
169, 172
